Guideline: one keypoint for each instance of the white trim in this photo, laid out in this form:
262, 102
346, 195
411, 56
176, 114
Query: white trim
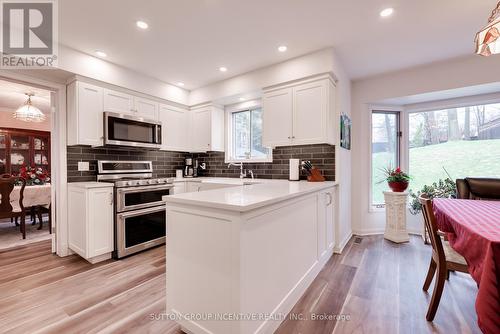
58, 155
458, 102
229, 110
340, 248
371, 109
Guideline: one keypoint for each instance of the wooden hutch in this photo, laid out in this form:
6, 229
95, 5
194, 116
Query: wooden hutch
18, 146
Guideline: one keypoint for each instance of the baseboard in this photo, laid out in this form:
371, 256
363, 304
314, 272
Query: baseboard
343, 243
380, 231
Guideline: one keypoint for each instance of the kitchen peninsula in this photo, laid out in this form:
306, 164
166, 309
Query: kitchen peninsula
245, 252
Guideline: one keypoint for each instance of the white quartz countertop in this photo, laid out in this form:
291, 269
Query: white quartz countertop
225, 180
247, 197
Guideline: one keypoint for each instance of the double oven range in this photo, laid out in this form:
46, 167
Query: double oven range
140, 219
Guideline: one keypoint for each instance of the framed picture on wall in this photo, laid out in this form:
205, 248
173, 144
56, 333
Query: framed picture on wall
345, 132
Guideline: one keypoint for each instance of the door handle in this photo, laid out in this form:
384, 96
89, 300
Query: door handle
330, 199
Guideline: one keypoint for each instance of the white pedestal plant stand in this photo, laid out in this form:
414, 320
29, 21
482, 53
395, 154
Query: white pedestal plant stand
395, 220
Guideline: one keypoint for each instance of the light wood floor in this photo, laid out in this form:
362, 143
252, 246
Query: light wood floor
376, 283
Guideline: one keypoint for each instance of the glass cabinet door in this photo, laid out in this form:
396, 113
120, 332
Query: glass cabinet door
41, 151
19, 152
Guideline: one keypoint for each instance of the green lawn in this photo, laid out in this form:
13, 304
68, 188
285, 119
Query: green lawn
460, 158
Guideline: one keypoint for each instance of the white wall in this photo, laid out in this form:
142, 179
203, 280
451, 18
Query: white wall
293, 69
85, 65
322, 61
342, 157
451, 74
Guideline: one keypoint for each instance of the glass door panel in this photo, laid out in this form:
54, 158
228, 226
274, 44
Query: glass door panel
20, 143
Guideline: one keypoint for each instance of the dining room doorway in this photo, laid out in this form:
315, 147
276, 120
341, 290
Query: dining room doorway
26, 127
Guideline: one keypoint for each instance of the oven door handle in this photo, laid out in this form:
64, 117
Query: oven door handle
143, 189
128, 214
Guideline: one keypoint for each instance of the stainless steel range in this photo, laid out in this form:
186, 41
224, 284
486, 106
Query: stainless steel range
140, 220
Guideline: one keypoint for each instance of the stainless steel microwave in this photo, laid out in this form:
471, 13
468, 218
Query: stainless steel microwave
129, 130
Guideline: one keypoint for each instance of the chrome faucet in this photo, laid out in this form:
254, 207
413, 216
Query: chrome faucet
243, 172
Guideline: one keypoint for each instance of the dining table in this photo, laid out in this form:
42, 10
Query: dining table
33, 196
473, 231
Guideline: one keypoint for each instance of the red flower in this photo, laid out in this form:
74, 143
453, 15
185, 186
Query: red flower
398, 170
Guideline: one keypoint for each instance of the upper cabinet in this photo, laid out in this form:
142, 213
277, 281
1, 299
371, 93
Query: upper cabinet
300, 113
85, 114
175, 128
277, 121
146, 108
86, 103
128, 104
207, 128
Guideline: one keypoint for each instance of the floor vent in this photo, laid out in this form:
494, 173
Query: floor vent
358, 240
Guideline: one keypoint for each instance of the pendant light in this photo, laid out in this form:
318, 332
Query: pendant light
487, 40
28, 112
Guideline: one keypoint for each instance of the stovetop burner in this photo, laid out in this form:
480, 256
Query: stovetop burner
133, 182
129, 173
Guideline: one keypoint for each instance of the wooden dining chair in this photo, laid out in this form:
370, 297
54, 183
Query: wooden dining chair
7, 183
444, 258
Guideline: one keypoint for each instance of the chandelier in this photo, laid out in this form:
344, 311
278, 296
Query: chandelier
487, 42
28, 112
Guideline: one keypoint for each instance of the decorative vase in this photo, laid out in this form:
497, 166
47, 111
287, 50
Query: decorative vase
398, 187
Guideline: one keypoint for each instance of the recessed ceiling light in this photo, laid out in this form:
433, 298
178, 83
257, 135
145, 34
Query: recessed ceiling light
282, 48
242, 99
223, 69
387, 12
101, 54
180, 84
142, 24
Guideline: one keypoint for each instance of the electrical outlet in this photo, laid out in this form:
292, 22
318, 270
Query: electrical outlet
83, 166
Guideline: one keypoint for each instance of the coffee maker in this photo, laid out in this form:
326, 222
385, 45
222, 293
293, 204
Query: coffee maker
190, 168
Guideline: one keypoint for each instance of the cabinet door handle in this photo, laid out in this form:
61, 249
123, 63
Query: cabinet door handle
293, 137
289, 137
330, 199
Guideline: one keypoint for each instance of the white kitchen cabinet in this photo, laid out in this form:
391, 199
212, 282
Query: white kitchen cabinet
179, 187
300, 113
175, 128
85, 114
146, 108
90, 219
207, 128
277, 121
123, 103
118, 102
326, 223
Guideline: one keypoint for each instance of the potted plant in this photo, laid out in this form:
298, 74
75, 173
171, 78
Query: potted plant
397, 179
441, 189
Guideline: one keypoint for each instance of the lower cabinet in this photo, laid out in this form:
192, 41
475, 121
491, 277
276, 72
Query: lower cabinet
326, 222
90, 220
179, 187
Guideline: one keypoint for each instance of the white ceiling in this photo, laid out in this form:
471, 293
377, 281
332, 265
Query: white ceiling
188, 40
13, 95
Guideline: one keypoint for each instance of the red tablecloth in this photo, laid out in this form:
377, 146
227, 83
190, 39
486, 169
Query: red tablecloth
473, 229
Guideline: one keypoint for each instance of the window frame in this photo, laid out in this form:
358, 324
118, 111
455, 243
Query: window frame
401, 123
229, 145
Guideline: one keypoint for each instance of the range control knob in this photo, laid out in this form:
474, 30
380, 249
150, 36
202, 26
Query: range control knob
151, 181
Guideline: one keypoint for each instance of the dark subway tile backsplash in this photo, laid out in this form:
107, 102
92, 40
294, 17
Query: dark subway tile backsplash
165, 163
322, 156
